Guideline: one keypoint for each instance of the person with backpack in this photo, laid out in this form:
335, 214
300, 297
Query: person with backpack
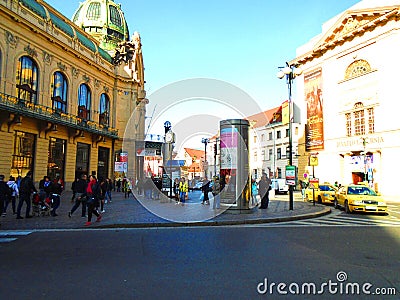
4, 192
25, 191
93, 192
12, 185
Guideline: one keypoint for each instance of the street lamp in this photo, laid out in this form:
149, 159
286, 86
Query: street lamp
365, 142
205, 142
291, 72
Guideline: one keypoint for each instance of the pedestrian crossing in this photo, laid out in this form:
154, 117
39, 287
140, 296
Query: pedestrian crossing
338, 219
11, 236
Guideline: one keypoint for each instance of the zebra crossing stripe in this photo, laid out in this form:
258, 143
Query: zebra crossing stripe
7, 240
14, 233
10, 236
370, 221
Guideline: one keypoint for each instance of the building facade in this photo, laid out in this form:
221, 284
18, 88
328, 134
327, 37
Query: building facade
65, 103
269, 143
349, 97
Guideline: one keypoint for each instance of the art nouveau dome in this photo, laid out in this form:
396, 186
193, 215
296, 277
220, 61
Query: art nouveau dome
104, 20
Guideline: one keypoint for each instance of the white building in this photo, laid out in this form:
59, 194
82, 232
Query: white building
354, 126
269, 143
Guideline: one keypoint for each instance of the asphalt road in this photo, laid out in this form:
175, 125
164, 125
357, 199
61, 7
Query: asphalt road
239, 262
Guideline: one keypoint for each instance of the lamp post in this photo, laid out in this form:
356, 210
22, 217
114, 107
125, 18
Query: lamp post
290, 72
364, 141
205, 142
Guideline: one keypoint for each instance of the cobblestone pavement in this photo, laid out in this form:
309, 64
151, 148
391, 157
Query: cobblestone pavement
131, 212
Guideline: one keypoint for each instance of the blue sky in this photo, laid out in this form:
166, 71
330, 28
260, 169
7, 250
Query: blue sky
241, 42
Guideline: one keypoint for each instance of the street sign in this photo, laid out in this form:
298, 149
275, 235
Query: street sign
313, 183
291, 175
313, 160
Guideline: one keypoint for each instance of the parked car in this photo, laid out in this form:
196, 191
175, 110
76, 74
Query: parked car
325, 193
359, 198
279, 185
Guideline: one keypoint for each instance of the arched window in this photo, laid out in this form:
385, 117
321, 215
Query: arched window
357, 68
60, 92
84, 99
104, 116
27, 79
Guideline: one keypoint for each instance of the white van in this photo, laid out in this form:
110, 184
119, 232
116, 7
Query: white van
279, 185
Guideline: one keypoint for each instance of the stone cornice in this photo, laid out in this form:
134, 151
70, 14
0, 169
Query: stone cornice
352, 24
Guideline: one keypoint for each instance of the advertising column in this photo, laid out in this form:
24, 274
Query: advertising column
234, 172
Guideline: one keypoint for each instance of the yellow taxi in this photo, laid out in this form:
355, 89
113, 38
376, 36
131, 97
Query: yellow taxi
325, 193
359, 198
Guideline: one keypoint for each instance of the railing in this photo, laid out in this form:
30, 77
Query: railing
25, 108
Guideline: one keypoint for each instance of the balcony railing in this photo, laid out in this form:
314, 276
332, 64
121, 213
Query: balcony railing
41, 112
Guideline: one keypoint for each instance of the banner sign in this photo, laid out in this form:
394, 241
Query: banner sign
315, 116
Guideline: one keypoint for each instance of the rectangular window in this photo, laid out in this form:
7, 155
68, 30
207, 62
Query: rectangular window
255, 156
270, 155
287, 132
278, 153
359, 122
24, 149
371, 120
270, 136
262, 137
348, 124
263, 154
278, 134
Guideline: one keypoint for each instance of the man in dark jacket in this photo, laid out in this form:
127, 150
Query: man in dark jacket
25, 191
80, 196
4, 192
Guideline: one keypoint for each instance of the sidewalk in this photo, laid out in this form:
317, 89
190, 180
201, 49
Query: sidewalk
132, 213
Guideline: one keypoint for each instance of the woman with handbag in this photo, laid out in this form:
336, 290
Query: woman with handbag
93, 193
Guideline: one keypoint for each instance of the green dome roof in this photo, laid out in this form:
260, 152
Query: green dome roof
104, 20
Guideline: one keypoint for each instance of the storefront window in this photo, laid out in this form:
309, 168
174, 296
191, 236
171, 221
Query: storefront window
55, 165
24, 149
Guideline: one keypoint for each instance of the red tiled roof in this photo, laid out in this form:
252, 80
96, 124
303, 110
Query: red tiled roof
263, 118
195, 152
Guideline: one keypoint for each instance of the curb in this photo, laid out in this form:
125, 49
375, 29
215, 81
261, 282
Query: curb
325, 211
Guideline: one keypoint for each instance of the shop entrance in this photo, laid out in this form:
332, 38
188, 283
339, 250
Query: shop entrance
357, 177
82, 160
103, 162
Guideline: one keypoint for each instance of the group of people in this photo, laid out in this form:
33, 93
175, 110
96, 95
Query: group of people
262, 189
49, 194
91, 195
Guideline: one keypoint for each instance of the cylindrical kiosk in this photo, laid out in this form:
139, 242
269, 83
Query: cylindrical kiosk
234, 165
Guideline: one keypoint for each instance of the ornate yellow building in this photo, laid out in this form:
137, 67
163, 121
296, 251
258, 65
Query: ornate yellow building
348, 94
66, 98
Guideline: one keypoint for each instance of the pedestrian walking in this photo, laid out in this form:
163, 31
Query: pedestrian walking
26, 189
4, 193
110, 188
148, 187
73, 188
215, 191
206, 189
104, 187
55, 196
80, 196
254, 192
263, 190
176, 190
183, 190
93, 192
13, 198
